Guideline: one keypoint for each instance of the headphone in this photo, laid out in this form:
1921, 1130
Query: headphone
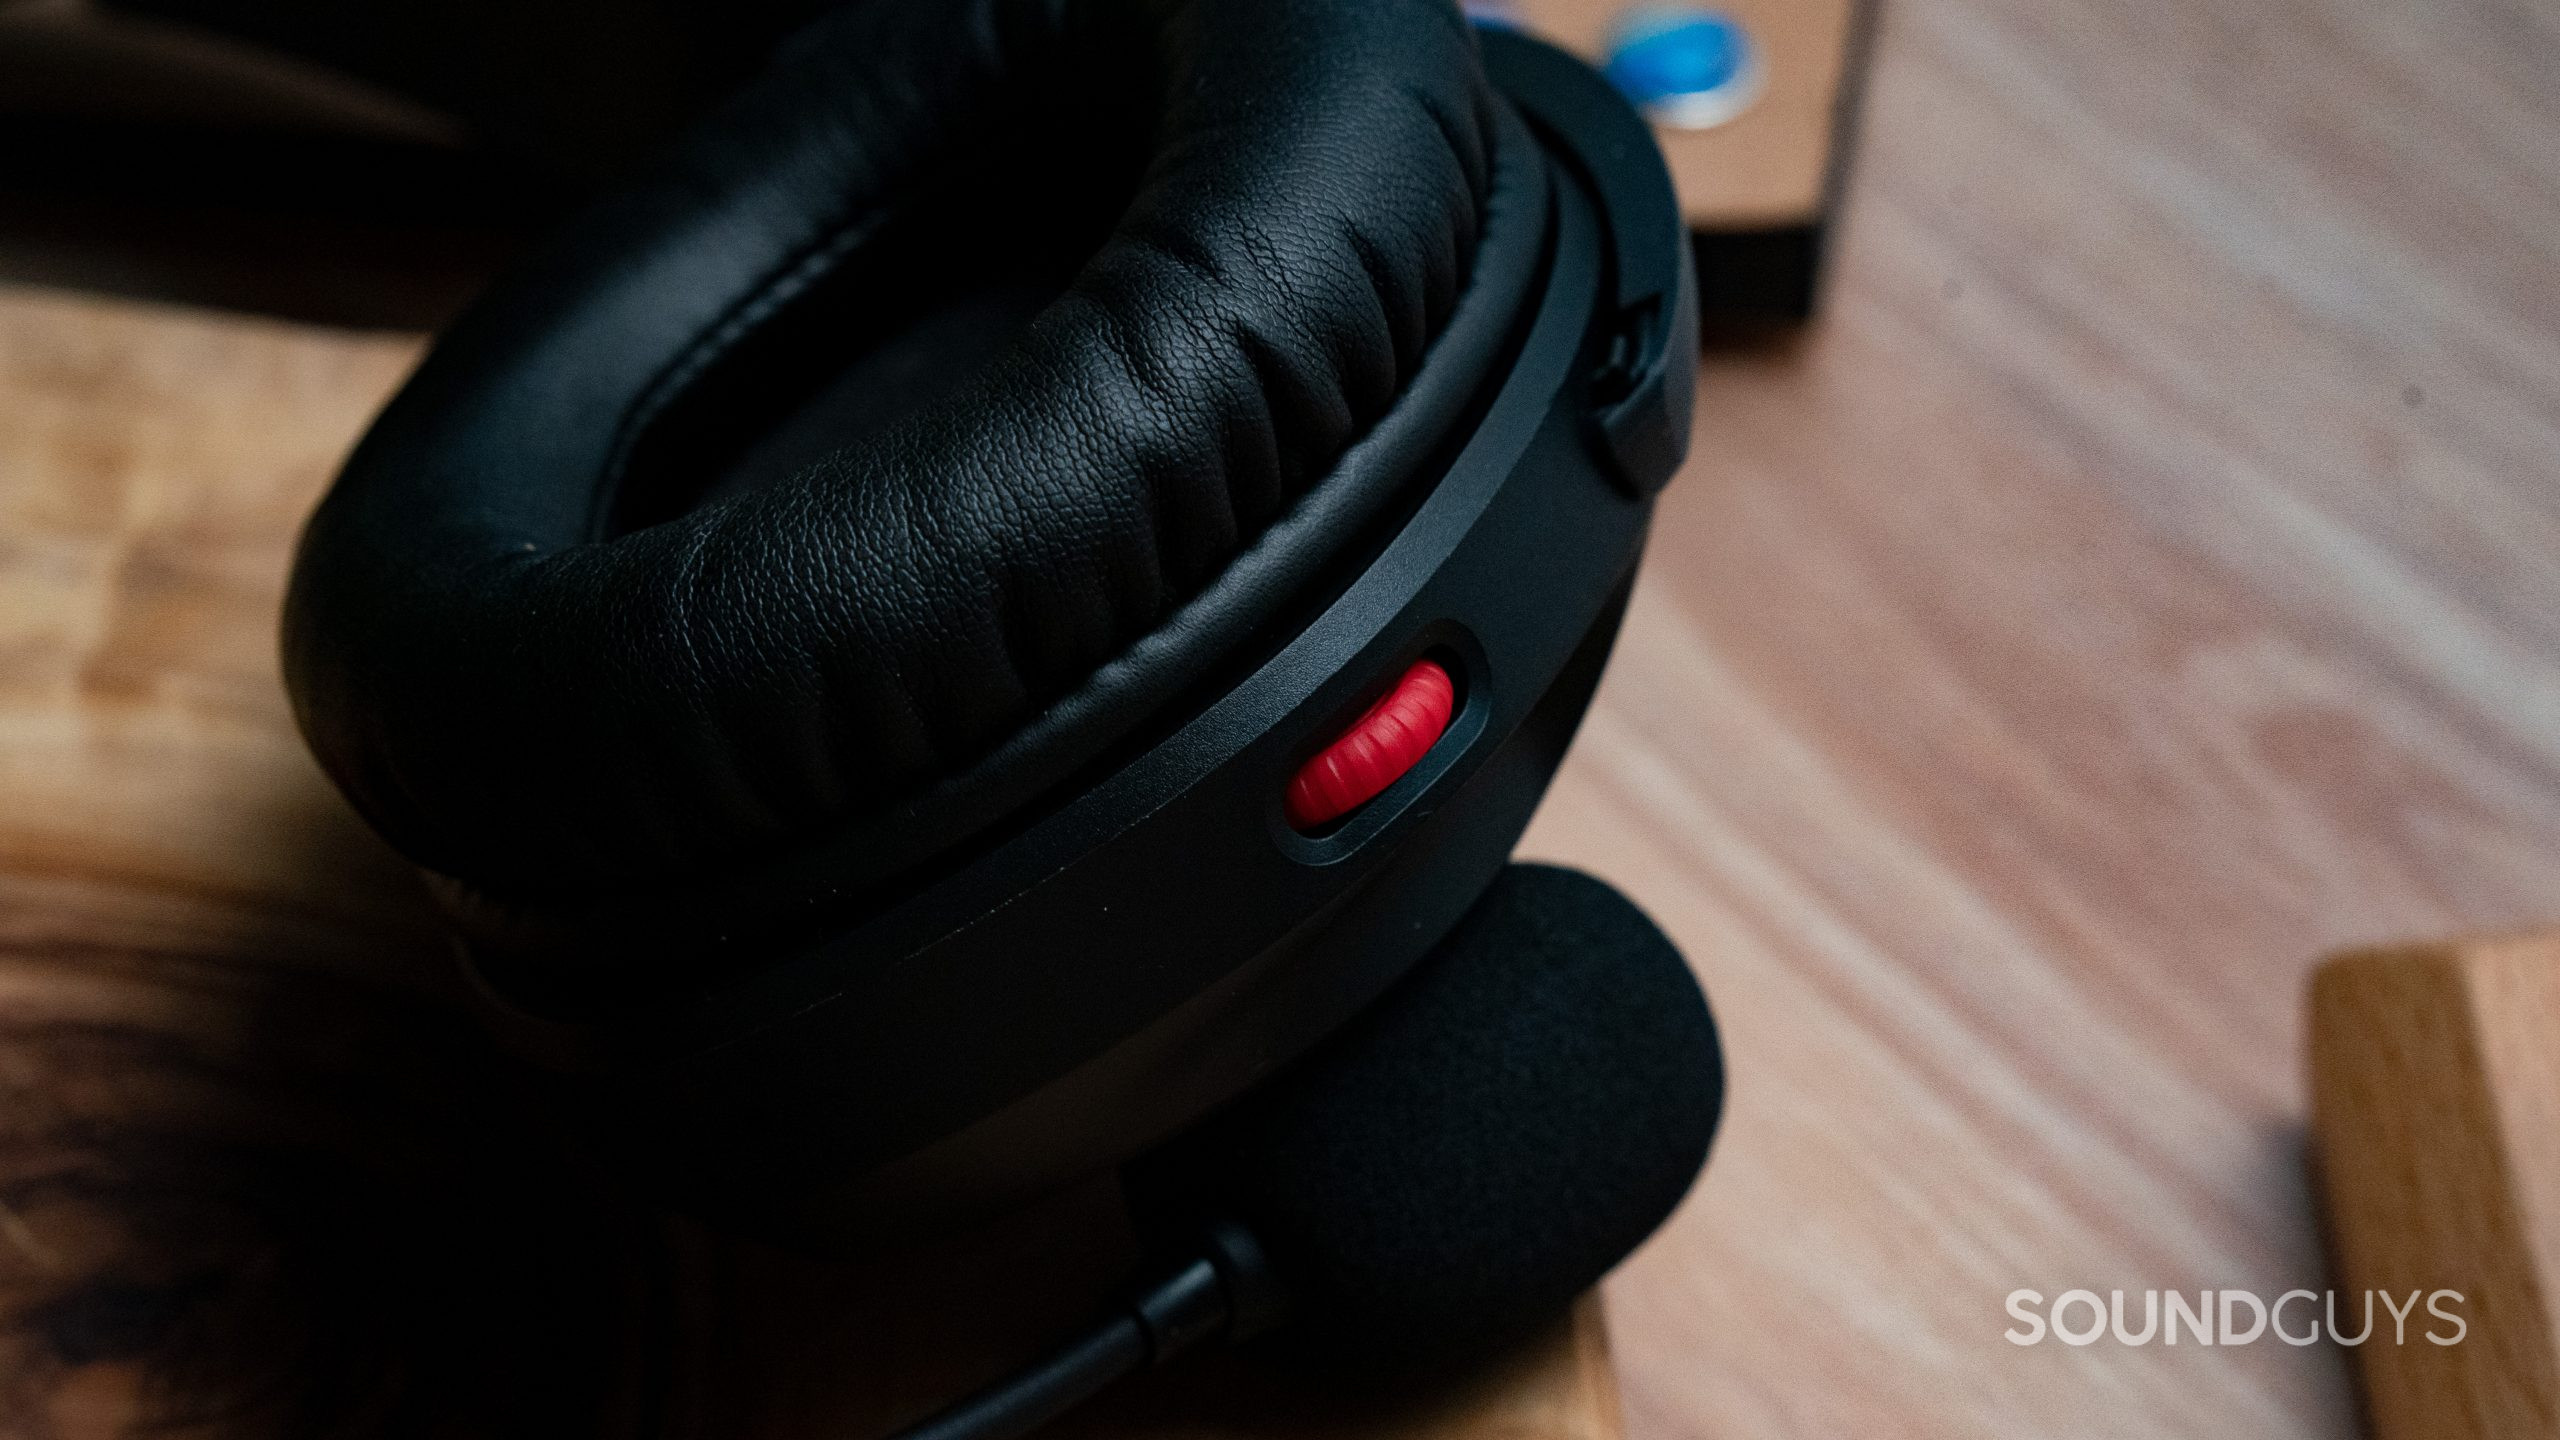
996, 614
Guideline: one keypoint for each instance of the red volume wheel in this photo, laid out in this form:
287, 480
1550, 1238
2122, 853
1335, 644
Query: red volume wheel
1388, 739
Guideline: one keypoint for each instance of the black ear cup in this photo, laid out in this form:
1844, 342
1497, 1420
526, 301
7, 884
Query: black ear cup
1456, 1165
838, 627
543, 666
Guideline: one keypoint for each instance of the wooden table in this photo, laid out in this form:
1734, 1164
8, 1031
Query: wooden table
2142, 582
2146, 579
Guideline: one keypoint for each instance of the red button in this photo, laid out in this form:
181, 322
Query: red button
1390, 738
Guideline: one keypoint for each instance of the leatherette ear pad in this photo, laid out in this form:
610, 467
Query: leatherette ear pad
539, 662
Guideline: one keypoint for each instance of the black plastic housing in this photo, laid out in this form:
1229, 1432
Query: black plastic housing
1156, 944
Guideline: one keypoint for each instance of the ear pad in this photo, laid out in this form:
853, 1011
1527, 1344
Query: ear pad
940, 407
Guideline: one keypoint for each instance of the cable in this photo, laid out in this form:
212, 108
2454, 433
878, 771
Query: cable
1032, 1397
1187, 1307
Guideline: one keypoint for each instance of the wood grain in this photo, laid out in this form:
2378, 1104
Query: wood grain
2436, 1097
2141, 582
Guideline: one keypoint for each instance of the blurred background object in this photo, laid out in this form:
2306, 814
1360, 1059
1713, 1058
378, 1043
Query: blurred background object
360, 164
474, 116
175, 162
1755, 104
575, 86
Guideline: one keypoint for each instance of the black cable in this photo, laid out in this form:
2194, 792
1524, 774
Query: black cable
1032, 1397
1187, 1307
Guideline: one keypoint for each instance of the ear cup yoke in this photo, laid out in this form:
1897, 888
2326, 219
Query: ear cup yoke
549, 655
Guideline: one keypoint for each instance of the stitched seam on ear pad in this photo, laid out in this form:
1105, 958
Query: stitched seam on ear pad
390, 607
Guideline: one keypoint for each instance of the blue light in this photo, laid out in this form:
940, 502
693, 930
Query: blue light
1684, 66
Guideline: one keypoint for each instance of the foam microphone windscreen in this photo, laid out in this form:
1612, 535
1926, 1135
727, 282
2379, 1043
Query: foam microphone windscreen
1505, 1125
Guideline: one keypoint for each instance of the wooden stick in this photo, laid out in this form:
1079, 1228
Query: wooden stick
2435, 1076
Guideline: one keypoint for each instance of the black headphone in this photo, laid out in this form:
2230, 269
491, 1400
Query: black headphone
1021, 581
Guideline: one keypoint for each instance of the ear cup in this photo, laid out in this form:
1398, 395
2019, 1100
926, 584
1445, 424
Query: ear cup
541, 661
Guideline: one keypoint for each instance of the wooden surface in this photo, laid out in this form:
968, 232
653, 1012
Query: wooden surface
2140, 583
254, 1173
2145, 579
2436, 1098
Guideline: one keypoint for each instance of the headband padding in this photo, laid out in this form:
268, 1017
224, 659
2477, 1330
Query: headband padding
543, 651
